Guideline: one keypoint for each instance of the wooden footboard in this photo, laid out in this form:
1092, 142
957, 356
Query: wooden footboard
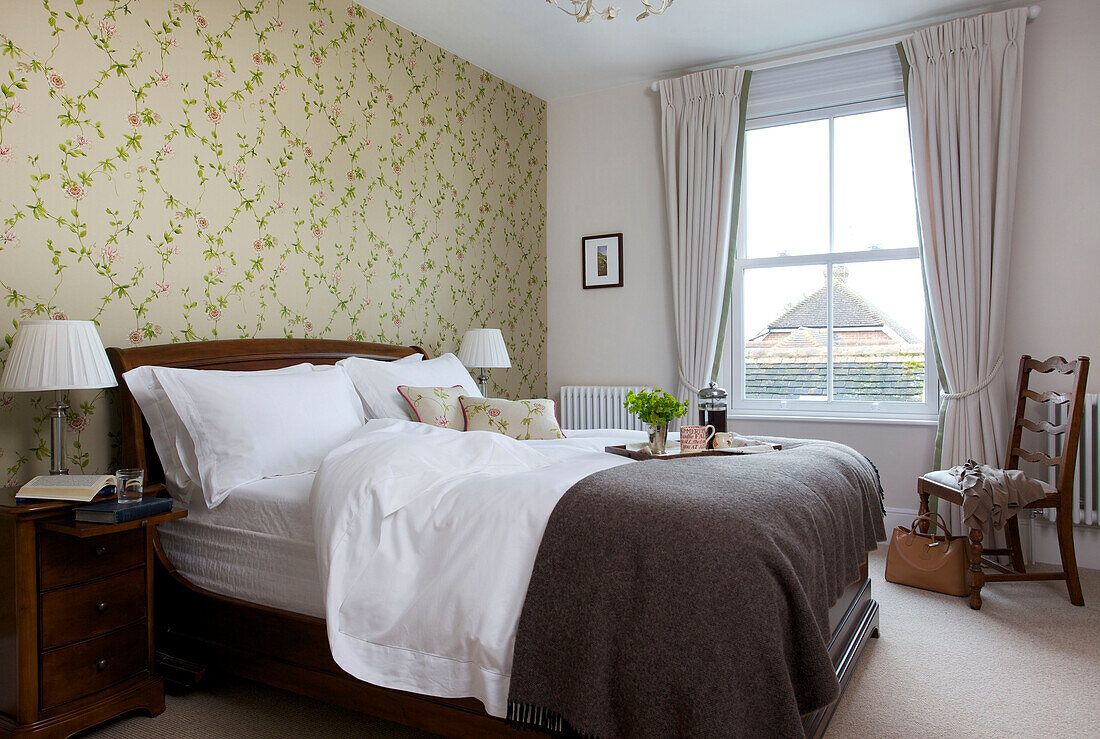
290, 651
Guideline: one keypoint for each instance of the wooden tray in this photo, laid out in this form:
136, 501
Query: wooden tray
644, 454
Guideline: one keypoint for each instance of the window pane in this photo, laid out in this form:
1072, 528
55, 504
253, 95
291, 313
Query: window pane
785, 333
787, 190
873, 170
878, 332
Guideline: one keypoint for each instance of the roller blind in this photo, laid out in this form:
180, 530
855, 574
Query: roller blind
859, 77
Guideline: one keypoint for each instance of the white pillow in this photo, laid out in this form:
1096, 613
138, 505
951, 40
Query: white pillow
377, 382
247, 425
174, 445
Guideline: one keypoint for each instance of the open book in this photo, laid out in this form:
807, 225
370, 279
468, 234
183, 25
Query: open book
82, 488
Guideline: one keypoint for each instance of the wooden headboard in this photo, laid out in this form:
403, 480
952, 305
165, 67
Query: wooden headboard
235, 354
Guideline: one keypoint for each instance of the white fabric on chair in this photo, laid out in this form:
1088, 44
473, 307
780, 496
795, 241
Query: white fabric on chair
965, 79
699, 125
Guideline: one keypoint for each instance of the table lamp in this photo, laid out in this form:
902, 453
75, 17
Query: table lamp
484, 348
56, 355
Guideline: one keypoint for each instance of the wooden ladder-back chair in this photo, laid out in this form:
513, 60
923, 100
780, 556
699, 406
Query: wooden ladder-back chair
1059, 497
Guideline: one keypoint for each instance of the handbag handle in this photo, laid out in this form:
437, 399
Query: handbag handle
932, 518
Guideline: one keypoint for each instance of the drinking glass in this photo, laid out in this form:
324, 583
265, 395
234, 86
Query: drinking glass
129, 485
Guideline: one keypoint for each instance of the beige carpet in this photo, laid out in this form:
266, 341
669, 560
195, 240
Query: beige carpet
1026, 665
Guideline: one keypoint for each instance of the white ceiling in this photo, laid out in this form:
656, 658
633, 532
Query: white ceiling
542, 50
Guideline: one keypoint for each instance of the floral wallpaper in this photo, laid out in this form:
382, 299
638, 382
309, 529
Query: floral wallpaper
180, 171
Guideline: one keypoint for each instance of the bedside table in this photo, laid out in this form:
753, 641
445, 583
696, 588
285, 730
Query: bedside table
76, 620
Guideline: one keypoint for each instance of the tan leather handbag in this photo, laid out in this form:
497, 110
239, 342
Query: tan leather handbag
927, 561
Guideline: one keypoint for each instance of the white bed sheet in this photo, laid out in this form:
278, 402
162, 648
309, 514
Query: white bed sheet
257, 545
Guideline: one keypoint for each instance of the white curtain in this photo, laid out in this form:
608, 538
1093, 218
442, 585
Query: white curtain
699, 126
964, 85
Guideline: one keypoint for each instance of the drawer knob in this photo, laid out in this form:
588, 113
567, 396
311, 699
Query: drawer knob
101, 665
101, 607
100, 550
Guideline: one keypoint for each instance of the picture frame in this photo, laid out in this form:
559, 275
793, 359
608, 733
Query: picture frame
602, 261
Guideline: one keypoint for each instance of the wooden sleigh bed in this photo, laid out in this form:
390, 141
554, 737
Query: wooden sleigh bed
287, 650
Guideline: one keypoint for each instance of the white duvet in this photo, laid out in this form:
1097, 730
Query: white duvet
426, 539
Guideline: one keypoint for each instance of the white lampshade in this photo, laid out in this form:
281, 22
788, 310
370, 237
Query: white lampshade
484, 347
56, 355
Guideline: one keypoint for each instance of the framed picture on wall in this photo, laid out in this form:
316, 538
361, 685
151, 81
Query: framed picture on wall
602, 261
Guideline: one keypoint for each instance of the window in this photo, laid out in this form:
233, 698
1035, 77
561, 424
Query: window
828, 310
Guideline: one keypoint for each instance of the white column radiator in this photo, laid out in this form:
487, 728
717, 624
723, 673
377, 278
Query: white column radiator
1086, 484
597, 407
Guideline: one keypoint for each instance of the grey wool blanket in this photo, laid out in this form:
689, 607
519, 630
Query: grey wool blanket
690, 597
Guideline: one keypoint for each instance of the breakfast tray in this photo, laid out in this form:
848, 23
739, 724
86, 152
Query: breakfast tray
642, 454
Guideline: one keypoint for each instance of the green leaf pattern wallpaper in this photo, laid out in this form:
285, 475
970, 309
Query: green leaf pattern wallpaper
255, 168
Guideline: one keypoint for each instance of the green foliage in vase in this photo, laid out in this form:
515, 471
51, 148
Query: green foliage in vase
657, 406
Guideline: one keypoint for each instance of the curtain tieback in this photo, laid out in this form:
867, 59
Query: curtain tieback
686, 381
981, 385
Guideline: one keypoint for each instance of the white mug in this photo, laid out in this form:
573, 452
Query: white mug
723, 440
695, 438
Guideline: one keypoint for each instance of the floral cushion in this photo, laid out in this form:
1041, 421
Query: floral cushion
437, 406
520, 419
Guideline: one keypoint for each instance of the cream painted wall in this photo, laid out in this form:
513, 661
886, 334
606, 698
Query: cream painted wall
605, 175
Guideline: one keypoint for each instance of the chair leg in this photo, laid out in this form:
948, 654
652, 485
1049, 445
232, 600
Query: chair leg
976, 576
922, 509
1012, 537
1069, 557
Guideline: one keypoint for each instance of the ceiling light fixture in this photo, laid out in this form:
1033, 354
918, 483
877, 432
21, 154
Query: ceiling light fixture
584, 10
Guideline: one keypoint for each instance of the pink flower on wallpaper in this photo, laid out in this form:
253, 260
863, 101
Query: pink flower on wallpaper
257, 58
371, 274
460, 254
109, 253
219, 271
278, 204
202, 223
6, 399
351, 176
134, 119
200, 21
366, 301
107, 29
316, 59
214, 115
318, 231
58, 316
494, 412
423, 266
5, 153
282, 267
74, 191
258, 245
335, 277
214, 313
56, 81
219, 75
396, 168
389, 97
389, 250
442, 421
335, 110
309, 327
397, 321
320, 195
77, 423
168, 151
278, 23
162, 287
160, 76
309, 152
461, 118
171, 41
239, 171
281, 86
15, 107
135, 337
82, 142
8, 237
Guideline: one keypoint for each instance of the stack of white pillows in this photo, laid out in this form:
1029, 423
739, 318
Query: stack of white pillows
215, 430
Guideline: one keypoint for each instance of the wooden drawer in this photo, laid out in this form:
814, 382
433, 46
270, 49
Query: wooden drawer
76, 613
82, 669
65, 560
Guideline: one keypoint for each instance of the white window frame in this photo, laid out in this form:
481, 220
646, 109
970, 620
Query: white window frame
733, 370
